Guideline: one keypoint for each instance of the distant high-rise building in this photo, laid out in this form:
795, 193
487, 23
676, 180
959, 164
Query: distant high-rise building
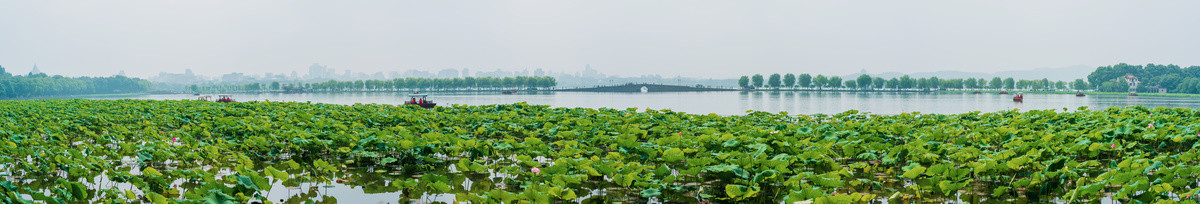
186, 78
448, 73
318, 71
418, 74
236, 78
588, 72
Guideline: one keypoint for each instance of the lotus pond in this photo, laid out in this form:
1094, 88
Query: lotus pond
145, 151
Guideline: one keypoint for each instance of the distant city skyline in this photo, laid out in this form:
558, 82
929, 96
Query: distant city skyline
703, 39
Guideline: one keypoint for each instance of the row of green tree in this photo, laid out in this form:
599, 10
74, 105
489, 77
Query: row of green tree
1151, 78
520, 82
42, 85
866, 82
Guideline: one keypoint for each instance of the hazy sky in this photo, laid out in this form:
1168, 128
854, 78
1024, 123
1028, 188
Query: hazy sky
690, 38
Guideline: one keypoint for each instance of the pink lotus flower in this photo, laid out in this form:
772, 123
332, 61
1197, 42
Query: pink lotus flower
1114, 146
536, 170
680, 133
1150, 126
175, 139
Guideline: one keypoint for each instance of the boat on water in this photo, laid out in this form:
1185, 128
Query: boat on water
1080, 94
976, 92
225, 98
1003, 92
1132, 94
1019, 97
509, 92
419, 99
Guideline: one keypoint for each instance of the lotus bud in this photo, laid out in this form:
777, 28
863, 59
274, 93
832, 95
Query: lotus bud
175, 139
1114, 146
536, 170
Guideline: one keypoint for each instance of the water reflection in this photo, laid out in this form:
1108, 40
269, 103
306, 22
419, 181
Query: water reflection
738, 102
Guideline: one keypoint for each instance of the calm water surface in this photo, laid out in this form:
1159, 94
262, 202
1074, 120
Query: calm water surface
735, 103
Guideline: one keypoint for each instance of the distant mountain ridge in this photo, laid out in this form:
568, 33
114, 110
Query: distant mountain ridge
1068, 73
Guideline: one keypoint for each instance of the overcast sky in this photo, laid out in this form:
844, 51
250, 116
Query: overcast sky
719, 39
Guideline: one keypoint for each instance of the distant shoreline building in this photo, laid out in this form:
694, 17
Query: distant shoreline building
186, 78
318, 71
35, 71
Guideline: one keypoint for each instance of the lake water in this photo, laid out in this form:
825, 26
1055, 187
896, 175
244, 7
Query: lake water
736, 102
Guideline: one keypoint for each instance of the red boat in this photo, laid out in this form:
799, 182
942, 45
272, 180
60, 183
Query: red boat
419, 99
1003, 92
1132, 94
1020, 97
976, 92
225, 98
1080, 94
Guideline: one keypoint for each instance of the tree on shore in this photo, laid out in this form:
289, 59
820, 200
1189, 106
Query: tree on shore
997, 83
934, 83
906, 82
789, 80
864, 81
835, 82
820, 81
744, 82
804, 80
758, 80
774, 81
1079, 85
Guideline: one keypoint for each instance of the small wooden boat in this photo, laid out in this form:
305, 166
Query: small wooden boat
1003, 92
976, 92
508, 92
1019, 97
225, 98
419, 99
1132, 94
1080, 94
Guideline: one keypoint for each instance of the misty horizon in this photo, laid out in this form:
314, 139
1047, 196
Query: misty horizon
681, 38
